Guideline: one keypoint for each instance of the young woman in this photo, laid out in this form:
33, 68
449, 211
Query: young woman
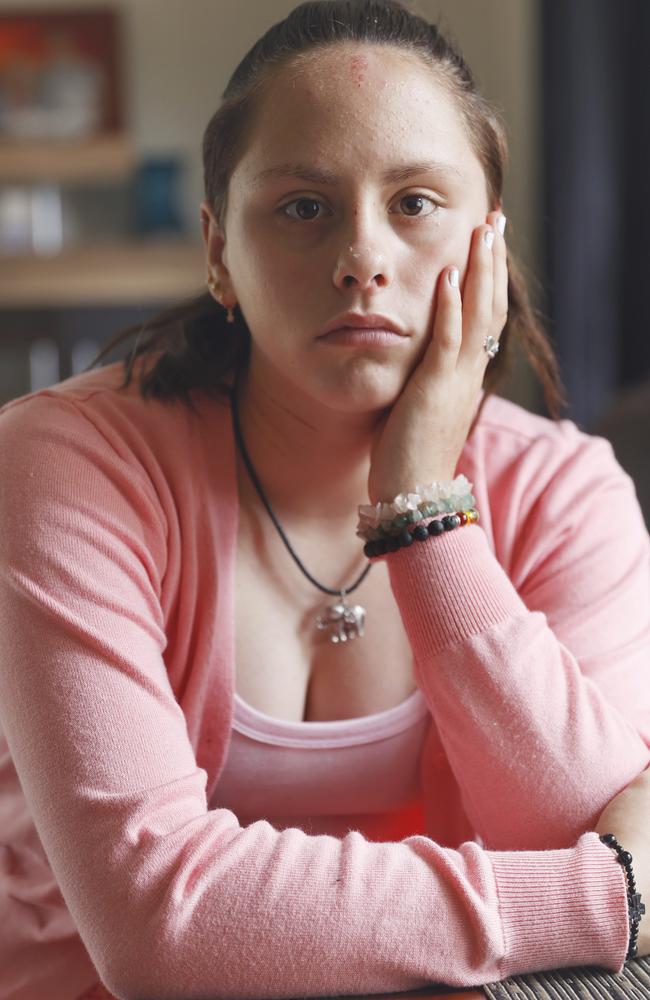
284, 715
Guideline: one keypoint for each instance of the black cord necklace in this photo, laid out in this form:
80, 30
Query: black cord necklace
343, 621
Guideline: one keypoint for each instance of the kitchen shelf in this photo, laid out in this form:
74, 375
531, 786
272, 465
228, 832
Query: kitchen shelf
111, 274
108, 158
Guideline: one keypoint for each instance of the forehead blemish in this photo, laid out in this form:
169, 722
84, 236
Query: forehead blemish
358, 68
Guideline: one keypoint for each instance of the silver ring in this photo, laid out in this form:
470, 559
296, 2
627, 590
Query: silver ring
491, 347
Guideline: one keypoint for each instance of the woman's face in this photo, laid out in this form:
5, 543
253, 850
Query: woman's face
357, 187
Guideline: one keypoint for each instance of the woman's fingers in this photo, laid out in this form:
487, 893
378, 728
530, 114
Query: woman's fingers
485, 292
500, 272
478, 295
463, 319
442, 353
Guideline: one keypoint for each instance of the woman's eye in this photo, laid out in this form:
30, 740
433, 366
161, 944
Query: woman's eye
415, 203
306, 209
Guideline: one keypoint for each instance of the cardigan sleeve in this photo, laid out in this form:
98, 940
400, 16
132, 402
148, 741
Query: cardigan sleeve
172, 899
537, 672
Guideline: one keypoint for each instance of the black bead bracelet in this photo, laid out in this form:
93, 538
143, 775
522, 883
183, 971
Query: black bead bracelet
420, 533
635, 907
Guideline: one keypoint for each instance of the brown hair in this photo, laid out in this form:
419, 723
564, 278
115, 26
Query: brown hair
198, 348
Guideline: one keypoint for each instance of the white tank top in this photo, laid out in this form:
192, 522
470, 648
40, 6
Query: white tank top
327, 777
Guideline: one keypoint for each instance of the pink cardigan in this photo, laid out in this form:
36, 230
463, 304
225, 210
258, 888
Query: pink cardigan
531, 638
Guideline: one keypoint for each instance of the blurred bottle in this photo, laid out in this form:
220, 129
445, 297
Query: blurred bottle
31, 219
15, 220
156, 209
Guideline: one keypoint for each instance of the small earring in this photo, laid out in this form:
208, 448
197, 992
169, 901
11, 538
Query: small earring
215, 288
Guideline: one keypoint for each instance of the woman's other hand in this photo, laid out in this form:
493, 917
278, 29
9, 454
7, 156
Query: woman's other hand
422, 436
628, 817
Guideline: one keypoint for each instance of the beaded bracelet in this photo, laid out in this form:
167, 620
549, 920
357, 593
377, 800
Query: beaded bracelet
635, 907
420, 533
381, 519
424, 510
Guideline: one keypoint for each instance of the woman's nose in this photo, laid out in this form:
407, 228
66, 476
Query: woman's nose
361, 264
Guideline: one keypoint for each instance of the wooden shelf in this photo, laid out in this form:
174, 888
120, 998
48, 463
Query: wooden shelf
103, 275
80, 161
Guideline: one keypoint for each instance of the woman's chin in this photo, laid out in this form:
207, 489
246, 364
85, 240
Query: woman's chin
361, 389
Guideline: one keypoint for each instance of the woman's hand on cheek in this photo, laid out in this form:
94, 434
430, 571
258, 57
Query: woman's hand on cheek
421, 438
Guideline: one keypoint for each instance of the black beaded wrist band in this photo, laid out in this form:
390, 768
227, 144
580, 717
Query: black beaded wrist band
420, 533
635, 907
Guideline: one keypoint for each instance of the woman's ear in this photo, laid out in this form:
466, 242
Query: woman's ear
215, 252
205, 215
213, 238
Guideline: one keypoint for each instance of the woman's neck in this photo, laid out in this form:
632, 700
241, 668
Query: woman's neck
312, 463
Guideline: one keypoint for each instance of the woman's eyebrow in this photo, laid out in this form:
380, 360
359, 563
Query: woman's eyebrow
400, 172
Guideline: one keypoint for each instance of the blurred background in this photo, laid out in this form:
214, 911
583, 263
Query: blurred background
102, 111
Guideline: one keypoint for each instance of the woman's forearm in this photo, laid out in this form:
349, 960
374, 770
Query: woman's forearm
517, 718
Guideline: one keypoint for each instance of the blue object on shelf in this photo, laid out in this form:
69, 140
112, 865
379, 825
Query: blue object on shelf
156, 207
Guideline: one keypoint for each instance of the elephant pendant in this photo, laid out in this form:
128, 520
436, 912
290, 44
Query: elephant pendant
344, 622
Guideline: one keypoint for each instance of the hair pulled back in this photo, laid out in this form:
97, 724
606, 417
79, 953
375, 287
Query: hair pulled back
198, 348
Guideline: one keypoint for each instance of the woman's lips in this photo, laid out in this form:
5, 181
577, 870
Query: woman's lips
357, 336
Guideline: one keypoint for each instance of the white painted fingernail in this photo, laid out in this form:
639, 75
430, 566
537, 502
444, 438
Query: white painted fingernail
501, 224
489, 238
453, 277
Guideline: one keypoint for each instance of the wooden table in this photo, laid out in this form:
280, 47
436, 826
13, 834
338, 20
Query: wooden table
431, 993
577, 983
